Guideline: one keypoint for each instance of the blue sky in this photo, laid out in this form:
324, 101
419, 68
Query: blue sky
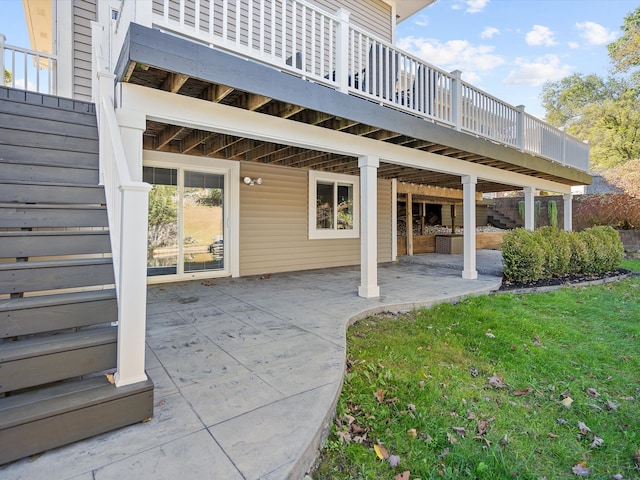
509, 48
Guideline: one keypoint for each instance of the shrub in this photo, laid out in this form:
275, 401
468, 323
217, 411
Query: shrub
557, 250
579, 259
523, 256
549, 252
605, 249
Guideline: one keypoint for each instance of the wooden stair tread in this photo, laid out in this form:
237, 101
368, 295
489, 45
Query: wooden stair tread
54, 264
51, 344
62, 398
52, 233
58, 299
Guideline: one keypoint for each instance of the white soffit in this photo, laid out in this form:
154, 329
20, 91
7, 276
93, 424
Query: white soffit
39, 18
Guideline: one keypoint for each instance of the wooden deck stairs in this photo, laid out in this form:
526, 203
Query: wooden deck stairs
57, 299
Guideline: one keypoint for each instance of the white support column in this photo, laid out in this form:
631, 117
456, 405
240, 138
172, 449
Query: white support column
529, 196
369, 227
394, 220
132, 126
132, 298
469, 216
568, 211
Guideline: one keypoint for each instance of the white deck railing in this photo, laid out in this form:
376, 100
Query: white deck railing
300, 38
27, 69
127, 205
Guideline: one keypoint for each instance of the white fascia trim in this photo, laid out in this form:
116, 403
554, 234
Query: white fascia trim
354, 181
232, 214
190, 112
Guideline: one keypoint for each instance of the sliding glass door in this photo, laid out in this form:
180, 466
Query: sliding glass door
186, 233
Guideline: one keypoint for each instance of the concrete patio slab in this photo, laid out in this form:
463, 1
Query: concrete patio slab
247, 372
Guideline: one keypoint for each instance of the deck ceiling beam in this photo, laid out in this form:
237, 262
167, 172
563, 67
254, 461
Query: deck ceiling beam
174, 82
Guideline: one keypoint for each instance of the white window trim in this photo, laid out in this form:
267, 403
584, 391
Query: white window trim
231, 170
314, 178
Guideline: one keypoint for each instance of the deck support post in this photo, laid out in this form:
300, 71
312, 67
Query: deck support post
568, 211
469, 216
369, 227
529, 197
132, 291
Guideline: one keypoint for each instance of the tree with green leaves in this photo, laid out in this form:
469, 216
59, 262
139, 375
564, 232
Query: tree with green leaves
625, 52
603, 111
7, 77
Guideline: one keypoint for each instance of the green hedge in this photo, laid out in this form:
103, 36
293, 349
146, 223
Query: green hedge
549, 252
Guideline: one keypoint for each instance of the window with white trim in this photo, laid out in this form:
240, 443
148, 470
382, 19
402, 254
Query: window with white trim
334, 205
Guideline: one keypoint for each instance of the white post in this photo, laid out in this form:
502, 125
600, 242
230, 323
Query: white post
568, 211
132, 298
520, 128
342, 51
132, 291
369, 227
3, 40
394, 220
469, 216
456, 99
529, 197
132, 126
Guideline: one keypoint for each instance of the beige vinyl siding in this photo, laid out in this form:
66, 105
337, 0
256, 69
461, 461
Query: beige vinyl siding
274, 225
84, 12
371, 15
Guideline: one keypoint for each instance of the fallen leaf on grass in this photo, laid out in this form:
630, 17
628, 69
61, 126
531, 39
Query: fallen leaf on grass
381, 452
636, 458
611, 406
594, 406
490, 335
482, 427
344, 436
403, 476
504, 441
519, 393
445, 453
581, 469
411, 406
592, 392
597, 442
394, 461
379, 394
497, 381
567, 402
552, 435
452, 440
583, 428
460, 431
412, 432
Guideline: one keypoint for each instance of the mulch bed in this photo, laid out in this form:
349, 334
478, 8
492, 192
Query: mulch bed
568, 280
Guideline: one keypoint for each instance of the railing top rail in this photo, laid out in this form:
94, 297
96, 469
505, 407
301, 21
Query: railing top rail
28, 51
392, 47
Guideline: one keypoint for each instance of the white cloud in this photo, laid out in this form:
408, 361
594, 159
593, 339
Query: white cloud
489, 32
475, 6
454, 55
538, 71
422, 21
595, 34
574, 45
470, 6
540, 35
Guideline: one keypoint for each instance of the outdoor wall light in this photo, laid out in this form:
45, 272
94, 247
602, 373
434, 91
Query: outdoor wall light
253, 181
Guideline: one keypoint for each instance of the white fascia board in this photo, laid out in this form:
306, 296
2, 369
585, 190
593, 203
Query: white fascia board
190, 112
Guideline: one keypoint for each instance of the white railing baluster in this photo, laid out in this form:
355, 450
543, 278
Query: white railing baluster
181, 14
250, 23
225, 21
261, 46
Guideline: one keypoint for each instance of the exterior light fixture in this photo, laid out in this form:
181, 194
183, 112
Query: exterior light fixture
252, 181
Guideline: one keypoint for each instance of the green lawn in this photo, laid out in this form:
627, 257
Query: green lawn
495, 388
